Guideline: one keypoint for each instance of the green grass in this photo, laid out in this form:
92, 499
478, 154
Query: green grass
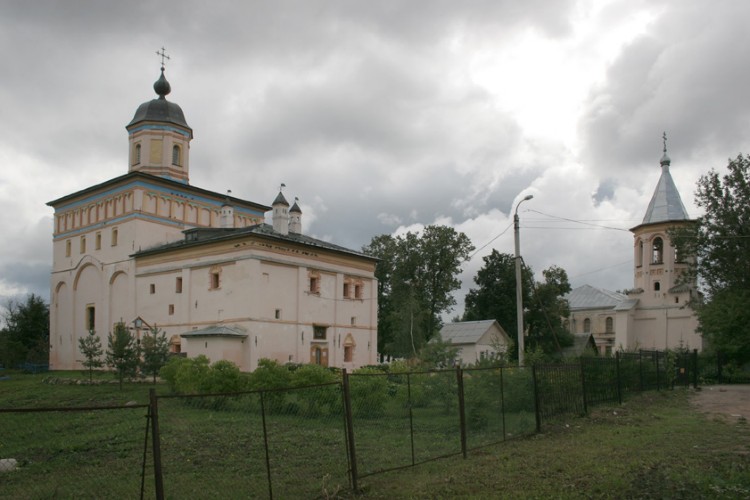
653, 446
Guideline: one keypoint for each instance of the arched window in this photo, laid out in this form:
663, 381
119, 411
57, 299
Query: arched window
586, 325
176, 155
657, 286
657, 248
137, 154
610, 325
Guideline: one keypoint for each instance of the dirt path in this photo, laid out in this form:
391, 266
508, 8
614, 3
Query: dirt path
730, 401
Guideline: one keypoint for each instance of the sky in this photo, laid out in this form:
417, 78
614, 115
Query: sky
384, 117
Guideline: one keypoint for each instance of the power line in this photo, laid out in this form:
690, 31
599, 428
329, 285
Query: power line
601, 269
580, 222
487, 244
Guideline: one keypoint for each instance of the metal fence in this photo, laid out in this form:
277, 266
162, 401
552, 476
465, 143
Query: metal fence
305, 442
92, 452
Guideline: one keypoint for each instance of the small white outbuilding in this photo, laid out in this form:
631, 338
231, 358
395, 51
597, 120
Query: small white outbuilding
476, 340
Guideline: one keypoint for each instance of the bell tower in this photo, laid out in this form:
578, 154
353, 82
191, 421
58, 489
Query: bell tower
658, 267
159, 137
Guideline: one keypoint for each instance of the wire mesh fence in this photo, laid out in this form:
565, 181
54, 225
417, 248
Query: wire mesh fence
499, 404
63, 453
600, 380
304, 442
401, 420
286, 443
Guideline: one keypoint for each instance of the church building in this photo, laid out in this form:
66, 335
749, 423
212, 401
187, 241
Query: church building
151, 251
654, 314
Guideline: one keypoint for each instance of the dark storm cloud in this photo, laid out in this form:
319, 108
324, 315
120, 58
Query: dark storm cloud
605, 191
684, 76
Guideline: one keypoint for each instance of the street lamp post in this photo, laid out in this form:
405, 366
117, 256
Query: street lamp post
519, 299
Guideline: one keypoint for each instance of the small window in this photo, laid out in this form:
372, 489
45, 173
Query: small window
676, 300
178, 285
215, 280
137, 154
171, 309
67, 248
83, 244
610, 325
277, 314
152, 288
114, 237
176, 155
314, 284
657, 286
587, 325
319, 332
349, 348
90, 317
98, 241
357, 291
346, 290
354, 320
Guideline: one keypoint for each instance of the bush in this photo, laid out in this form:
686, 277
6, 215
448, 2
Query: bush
369, 392
223, 376
196, 376
271, 375
191, 376
169, 372
313, 401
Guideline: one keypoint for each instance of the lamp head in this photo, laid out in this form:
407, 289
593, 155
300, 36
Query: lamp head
528, 197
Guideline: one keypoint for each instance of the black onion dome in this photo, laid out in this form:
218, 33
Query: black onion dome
161, 86
160, 110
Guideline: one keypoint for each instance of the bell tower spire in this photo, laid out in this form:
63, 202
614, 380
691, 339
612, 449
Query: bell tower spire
159, 136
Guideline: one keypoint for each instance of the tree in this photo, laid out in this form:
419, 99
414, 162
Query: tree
91, 348
155, 352
547, 311
495, 297
438, 354
123, 353
717, 246
417, 275
544, 305
25, 336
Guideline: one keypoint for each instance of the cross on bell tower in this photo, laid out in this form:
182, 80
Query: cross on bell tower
163, 55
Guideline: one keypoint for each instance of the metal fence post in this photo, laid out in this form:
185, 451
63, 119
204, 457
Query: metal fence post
619, 378
658, 355
461, 408
695, 368
350, 430
158, 479
411, 417
536, 399
265, 444
502, 400
583, 386
640, 369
